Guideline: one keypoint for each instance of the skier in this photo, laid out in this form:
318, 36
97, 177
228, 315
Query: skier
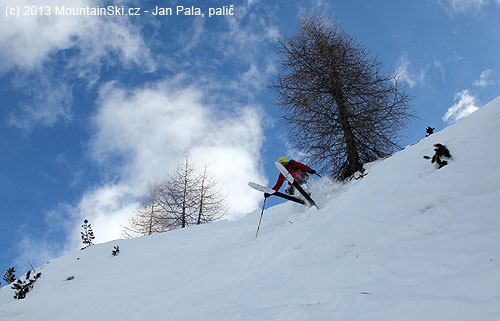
441, 151
297, 170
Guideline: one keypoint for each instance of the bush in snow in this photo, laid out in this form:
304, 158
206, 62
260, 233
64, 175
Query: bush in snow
23, 287
116, 251
429, 131
9, 276
87, 234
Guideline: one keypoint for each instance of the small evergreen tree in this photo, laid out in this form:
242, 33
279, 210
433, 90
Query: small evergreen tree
10, 275
23, 287
87, 234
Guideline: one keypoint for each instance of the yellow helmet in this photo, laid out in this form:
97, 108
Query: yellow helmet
282, 160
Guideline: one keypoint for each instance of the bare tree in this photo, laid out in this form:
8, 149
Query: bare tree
211, 200
186, 198
148, 217
340, 111
179, 197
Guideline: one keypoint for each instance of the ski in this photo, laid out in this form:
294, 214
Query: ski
267, 190
292, 181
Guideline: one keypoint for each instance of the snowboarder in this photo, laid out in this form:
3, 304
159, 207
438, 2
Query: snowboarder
297, 170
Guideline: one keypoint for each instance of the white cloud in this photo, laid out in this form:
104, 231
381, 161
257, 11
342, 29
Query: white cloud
51, 103
27, 41
313, 7
141, 135
465, 104
439, 66
404, 74
485, 79
137, 125
192, 36
465, 6
107, 208
248, 34
33, 251
232, 151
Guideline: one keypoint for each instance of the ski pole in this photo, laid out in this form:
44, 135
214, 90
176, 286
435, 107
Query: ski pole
318, 174
262, 213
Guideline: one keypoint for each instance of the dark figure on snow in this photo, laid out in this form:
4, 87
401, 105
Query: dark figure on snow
441, 151
429, 131
297, 170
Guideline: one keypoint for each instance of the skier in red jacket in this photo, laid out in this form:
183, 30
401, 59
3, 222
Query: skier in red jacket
297, 170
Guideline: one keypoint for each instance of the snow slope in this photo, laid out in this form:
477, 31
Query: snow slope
407, 242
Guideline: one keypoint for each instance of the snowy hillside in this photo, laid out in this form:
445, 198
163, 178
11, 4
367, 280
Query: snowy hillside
407, 242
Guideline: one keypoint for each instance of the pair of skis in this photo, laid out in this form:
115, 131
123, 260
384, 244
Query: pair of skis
269, 191
292, 181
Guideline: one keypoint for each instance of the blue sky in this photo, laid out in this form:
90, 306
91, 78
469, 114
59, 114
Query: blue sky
94, 108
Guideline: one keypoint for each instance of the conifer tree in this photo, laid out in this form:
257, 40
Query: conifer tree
23, 287
10, 275
87, 234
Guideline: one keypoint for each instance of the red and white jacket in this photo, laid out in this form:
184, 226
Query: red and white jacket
295, 169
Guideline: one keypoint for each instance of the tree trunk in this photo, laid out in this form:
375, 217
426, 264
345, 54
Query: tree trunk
152, 213
353, 162
202, 194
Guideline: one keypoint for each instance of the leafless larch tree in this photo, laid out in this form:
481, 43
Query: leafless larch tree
148, 218
187, 197
179, 201
211, 199
340, 110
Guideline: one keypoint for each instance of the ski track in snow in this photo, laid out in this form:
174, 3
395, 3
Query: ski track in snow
406, 242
